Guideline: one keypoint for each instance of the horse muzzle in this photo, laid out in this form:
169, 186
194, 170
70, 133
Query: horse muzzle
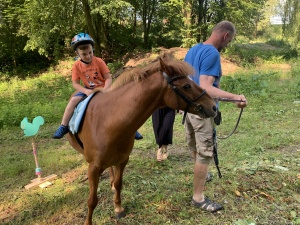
206, 113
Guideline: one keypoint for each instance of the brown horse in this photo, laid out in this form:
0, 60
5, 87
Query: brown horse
106, 137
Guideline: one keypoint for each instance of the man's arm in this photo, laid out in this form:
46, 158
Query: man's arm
206, 82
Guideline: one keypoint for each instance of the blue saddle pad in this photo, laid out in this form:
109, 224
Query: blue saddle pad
78, 114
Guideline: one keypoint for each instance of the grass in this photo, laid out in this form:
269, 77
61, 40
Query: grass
260, 162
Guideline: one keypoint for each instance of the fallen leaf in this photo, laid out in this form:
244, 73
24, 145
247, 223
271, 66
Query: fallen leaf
267, 196
237, 193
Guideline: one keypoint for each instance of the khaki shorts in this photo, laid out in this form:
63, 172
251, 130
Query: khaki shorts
199, 135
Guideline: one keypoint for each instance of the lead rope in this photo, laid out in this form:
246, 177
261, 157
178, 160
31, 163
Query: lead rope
215, 153
236, 125
215, 149
184, 114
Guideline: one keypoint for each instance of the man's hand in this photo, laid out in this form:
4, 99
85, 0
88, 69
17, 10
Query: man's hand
243, 103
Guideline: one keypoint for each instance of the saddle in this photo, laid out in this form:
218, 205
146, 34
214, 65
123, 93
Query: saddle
78, 114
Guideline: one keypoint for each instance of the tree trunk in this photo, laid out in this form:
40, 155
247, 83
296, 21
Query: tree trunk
187, 18
148, 12
96, 29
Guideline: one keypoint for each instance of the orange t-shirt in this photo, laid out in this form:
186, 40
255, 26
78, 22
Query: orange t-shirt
90, 74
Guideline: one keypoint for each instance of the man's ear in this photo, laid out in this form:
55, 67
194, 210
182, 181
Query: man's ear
225, 35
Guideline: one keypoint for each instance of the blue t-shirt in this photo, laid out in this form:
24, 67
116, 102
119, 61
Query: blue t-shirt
206, 60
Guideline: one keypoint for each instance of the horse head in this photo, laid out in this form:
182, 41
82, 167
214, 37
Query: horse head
190, 97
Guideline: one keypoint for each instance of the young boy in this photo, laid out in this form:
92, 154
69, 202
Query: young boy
90, 70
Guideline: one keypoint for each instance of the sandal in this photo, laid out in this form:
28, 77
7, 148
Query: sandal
207, 205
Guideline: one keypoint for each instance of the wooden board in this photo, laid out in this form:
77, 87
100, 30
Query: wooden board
40, 181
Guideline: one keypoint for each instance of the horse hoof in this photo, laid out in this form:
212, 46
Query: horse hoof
120, 215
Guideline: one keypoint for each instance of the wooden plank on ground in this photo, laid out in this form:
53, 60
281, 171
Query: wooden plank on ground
39, 181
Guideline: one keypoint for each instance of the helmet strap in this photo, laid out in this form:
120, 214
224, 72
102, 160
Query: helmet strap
84, 61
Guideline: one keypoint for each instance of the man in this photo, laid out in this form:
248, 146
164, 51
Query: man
206, 60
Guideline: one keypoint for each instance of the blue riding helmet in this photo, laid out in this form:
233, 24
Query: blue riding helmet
80, 39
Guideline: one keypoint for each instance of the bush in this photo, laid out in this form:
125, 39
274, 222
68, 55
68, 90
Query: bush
254, 54
45, 96
255, 85
28, 63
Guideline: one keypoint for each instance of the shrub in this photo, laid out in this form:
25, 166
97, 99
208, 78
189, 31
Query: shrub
255, 85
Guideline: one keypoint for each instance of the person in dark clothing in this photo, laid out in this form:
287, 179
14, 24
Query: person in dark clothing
163, 121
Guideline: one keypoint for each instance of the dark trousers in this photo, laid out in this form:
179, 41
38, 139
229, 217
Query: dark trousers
163, 121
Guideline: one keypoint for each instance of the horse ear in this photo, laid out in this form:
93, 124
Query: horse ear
162, 65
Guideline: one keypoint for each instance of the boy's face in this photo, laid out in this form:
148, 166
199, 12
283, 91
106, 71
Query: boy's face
86, 54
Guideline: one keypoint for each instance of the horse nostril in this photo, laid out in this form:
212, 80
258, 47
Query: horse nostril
214, 108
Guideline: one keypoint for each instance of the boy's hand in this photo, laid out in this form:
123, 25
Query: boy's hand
88, 92
99, 89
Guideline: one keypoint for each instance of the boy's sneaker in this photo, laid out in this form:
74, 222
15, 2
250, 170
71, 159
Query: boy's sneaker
60, 132
138, 136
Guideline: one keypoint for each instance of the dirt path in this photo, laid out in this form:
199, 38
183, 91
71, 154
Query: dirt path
178, 53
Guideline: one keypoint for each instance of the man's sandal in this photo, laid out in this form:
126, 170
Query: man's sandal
207, 205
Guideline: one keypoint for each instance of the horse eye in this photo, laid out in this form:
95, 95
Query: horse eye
186, 87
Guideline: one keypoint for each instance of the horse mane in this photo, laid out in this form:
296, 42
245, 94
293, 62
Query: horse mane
136, 74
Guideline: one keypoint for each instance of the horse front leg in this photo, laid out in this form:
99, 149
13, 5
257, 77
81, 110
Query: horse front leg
117, 187
93, 175
112, 178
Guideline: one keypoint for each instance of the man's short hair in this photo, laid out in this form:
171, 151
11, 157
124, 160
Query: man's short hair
225, 26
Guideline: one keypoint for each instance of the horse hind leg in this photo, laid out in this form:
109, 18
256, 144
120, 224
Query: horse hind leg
94, 176
116, 185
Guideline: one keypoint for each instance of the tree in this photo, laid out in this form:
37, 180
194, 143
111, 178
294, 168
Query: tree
11, 45
118, 27
291, 21
198, 16
182, 11
48, 25
245, 15
104, 18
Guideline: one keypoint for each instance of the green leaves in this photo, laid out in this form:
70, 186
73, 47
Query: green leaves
291, 18
48, 23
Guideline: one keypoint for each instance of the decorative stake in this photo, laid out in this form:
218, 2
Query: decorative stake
38, 170
30, 129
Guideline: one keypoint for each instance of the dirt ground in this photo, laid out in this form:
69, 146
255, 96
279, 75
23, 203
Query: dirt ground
178, 53
142, 58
